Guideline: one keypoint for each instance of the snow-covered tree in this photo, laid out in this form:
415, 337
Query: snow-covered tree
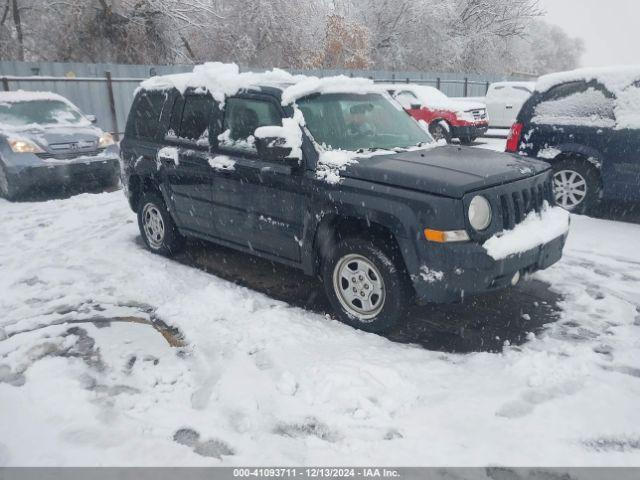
491, 36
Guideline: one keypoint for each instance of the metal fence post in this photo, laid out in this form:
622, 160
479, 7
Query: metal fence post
466, 87
487, 90
112, 105
438, 83
5, 84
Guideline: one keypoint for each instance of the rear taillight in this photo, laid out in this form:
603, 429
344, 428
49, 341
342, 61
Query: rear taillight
513, 140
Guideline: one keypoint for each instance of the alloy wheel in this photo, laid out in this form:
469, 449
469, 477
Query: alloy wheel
570, 188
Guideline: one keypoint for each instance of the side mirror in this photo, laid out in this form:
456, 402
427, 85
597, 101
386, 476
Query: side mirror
272, 149
92, 118
416, 106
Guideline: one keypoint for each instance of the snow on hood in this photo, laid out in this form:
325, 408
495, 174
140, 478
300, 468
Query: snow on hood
463, 104
623, 82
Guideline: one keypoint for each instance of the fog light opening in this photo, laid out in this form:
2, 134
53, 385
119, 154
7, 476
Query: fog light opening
515, 279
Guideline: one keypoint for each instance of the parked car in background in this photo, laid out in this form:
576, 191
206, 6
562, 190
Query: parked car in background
586, 123
446, 117
331, 177
46, 142
504, 101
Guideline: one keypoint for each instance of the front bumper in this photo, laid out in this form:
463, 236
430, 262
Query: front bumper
471, 131
458, 270
101, 170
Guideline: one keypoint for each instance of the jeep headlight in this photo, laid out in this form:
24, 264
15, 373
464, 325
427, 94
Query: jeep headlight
22, 145
479, 213
105, 140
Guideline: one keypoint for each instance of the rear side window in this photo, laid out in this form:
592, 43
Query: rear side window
145, 115
242, 117
196, 115
577, 104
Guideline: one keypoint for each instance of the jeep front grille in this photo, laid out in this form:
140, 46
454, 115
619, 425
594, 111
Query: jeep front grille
515, 206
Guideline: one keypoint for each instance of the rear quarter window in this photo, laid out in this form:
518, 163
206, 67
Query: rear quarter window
145, 113
576, 104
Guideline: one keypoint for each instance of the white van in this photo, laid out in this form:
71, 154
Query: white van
504, 100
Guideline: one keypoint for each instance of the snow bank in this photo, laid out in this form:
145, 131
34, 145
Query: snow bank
280, 385
535, 230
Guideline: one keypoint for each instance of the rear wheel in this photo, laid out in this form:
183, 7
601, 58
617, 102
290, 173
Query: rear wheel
366, 286
576, 185
158, 230
439, 131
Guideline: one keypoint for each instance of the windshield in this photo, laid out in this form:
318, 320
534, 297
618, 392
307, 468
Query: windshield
360, 122
48, 112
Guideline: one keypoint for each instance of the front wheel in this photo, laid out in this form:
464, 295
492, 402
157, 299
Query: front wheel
366, 286
158, 230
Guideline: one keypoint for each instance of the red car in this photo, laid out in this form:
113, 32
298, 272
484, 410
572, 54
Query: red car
447, 118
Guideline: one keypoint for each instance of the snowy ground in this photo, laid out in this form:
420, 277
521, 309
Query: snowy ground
113, 356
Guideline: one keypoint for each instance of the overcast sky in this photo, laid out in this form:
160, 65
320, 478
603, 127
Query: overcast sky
609, 28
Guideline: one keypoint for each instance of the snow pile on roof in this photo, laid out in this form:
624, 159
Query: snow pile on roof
219, 79
623, 82
24, 96
535, 230
305, 86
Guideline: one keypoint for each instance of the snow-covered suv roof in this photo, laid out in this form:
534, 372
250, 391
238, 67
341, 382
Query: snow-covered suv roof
615, 79
24, 96
222, 80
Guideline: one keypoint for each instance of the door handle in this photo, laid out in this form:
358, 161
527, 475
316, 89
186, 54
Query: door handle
509, 107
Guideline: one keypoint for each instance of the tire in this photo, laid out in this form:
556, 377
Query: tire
576, 185
439, 131
159, 232
7, 190
374, 270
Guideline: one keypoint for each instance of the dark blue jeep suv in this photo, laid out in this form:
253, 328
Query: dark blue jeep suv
586, 123
333, 177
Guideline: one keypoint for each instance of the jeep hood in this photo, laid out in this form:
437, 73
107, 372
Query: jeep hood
449, 171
